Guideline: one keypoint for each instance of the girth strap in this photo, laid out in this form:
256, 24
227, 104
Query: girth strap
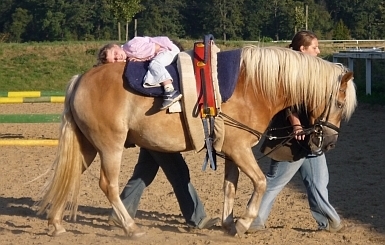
208, 126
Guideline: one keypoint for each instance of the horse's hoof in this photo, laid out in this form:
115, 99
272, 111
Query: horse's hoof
135, 231
58, 232
138, 234
240, 228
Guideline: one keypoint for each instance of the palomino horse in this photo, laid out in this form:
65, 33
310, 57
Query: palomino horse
101, 114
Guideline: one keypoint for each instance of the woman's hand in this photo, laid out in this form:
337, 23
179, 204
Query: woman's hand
299, 134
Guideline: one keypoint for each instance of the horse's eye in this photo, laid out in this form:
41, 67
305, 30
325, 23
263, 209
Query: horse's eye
340, 105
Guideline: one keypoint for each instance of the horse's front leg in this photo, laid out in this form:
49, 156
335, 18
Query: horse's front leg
246, 162
109, 176
230, 184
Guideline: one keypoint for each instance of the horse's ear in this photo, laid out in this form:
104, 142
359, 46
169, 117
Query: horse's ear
348, 76
345, 79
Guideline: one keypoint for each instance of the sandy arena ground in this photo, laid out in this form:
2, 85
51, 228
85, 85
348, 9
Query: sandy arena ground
356, 190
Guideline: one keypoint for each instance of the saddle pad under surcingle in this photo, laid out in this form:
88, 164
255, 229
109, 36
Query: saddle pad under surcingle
228, 71
135, 72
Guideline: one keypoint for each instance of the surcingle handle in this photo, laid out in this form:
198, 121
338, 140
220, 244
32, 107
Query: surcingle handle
208, 40
206, 94
203, 76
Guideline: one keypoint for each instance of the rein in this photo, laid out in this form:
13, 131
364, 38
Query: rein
306, 131
317, 129
232, 122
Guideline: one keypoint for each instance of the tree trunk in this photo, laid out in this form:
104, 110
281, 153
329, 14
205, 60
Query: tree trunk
119, 36
126, 31
135, 27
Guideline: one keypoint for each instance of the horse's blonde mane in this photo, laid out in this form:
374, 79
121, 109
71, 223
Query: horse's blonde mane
302, 77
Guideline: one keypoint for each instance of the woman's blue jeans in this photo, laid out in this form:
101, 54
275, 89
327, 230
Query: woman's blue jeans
177, 173
315, 176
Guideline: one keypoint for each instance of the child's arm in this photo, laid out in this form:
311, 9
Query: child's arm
157, 48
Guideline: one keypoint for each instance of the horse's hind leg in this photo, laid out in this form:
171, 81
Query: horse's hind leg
56, 222
89, 153
109, 178
229, 189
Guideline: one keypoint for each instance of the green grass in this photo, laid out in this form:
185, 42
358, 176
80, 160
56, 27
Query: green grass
49, 66
44, 66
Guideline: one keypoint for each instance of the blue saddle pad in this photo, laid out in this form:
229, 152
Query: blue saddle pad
228, 71
135, 72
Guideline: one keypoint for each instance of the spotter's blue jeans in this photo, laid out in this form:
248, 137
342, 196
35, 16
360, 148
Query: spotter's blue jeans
177, 173
315, 176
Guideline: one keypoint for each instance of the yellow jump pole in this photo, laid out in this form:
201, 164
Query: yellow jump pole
15, 100
28, 142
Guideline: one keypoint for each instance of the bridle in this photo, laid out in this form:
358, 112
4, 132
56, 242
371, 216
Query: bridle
323, 121
317, 129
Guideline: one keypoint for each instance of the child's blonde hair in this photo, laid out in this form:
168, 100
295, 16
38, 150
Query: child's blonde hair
102, 54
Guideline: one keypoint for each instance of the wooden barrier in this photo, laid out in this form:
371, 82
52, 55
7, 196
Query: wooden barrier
7, 97
14, 100
11, 97
28, 142
29, 118
31, 93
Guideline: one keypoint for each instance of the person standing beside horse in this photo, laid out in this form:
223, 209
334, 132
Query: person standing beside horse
312, 168
161, 52
177, 173
149, 161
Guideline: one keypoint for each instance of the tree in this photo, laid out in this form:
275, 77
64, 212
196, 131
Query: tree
103, 20
125, 10
20, 19
6, 9
194, 18
319, 20
299, 18
341, 31
225, 18
162, 18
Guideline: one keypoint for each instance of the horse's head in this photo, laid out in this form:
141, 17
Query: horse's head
326, 119
281, 77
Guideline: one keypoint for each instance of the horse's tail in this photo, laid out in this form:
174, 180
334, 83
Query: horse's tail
61, 190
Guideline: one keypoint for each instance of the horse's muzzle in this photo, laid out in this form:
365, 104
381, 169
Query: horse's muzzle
328, 147
319, 144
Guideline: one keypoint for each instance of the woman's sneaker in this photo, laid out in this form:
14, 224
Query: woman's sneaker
208, 222
205, 223
170, 98
256, 229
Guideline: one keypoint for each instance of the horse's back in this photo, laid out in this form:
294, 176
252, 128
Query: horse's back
104, 106
100, 91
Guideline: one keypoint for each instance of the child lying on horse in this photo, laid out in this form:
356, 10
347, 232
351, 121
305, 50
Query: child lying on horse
160, 51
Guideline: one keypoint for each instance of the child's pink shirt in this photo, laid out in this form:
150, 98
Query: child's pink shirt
144, 47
